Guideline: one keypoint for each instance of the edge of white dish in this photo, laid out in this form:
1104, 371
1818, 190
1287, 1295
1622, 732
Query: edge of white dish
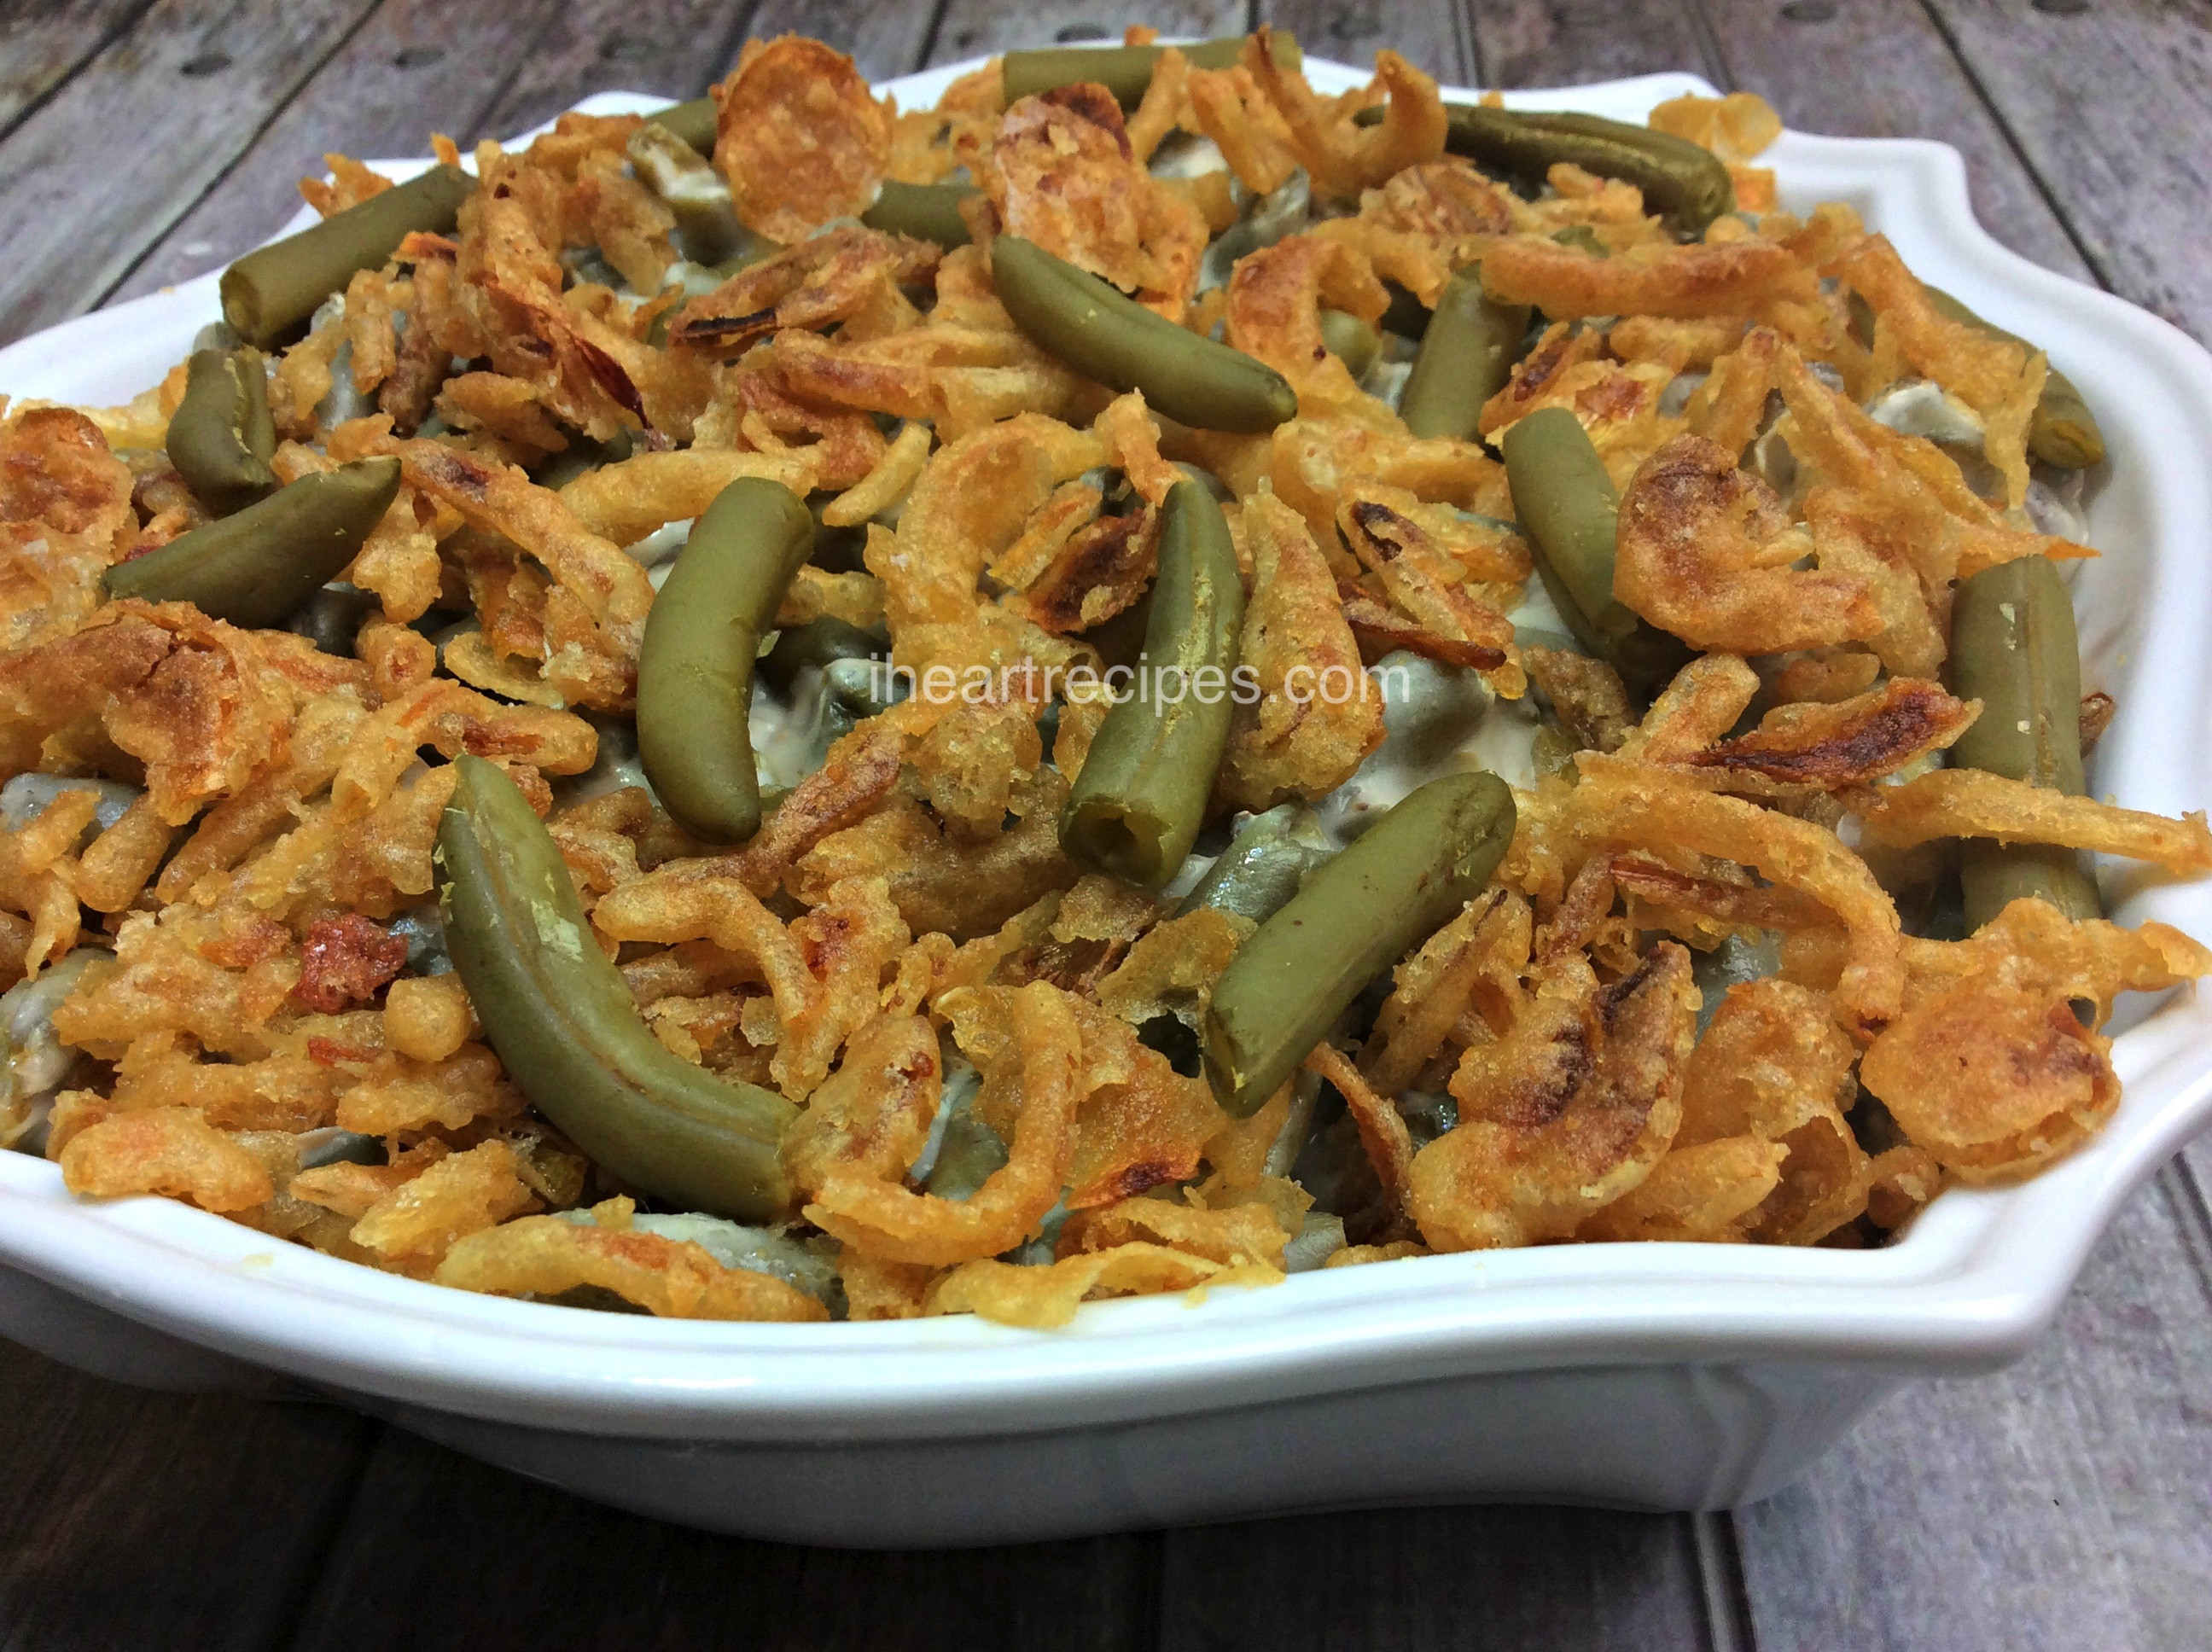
1971, 1285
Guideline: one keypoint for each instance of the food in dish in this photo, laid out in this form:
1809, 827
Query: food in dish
796, 709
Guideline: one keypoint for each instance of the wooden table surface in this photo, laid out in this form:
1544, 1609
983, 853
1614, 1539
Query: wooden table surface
2066, 1504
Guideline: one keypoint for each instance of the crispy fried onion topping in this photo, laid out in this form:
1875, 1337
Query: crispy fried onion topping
676, 1278
1061, 173
1706, 552
1566, 1111
1029, 1044
799, 136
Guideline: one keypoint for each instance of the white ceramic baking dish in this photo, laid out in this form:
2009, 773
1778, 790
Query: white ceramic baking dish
1658, 1375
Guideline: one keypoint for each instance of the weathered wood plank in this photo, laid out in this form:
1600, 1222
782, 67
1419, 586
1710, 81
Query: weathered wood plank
1568, 42
2061, 1504
885, 40
1463, 1578
1902, 81
2195, 1162
2109, 102
129, 1519
440, 1551
969, 28
678, 47
41, 45
673, 47
99, 174
417, 67
1435, 38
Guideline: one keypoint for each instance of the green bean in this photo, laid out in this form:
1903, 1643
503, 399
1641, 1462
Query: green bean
819, 643
255, 567
1567, 508
1126, 70
695, 669
1101, 333
1351, 340
694, 122
1356, 916
1583, 238
929, 212
1263, 866
706, 217
2063, 431
1141, 797
221, 438
1685, 184
566, 1031
2013, 648
270, 293
1466, 356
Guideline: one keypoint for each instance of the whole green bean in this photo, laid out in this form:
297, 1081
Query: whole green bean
706, 217
1126, 70
693, 122
1466, 356
1263, 866
221, 437
566, 1031
1683, 182
1351, 340
257, 566
694, 668
2013, 648
1569, 510
1099, 332
1141, 797
1356, 916
2063, 431
270, 293
929, 212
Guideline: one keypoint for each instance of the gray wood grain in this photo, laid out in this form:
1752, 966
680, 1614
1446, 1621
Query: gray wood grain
673, 47
42, 46
130, 1520
2061, 1505
409, 1569
1569, 42
885, 40
1435, 38
2109, 104
969, 28
415, 67
96, 176
1469, 1579
1903, 80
